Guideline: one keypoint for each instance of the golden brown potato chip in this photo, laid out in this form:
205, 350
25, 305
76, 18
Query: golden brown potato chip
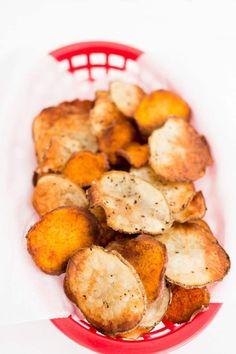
131, 204
196, 209
58, 153
106, 234
56, 237
68, 119
148, 258
177, 194
186, 303
53, 191
177, 152
157, 107
202, 223
195, 258
85, 167
126, 96
136, 154
104, 113
106, 289
117, 135
154, 314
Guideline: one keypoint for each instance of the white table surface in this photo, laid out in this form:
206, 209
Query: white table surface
147, 25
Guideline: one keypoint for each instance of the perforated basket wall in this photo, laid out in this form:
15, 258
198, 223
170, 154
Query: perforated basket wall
89, 61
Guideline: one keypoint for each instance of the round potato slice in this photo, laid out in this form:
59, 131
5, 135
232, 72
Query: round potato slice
106, 289
177, 152
136, 154
53, 191
177, 194
196, 209
148, 257
195, 258
157, 107
131, 204
186, 303
154, 314
126, 96
56, 237
85, 167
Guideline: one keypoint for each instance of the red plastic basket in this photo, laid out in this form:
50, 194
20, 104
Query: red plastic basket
118, 57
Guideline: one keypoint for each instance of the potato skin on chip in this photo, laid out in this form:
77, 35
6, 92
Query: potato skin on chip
117, 135
186, 303
157, 107
131, 204
136, 154
53, 191
154, 314
104, 113
148, 257
177, 194
106, 289
85, 167
177, 152
68, 119
56, 237
126, 96
195, 258
196, 209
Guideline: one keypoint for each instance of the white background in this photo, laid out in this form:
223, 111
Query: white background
202, 33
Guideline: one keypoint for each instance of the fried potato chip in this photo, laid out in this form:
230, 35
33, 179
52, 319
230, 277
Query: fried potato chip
131, 204
58, 153
85, 167
201, 223
106, 289
195, 258
68, 119
106, 234
157, 107
136, 154
117, 135
56, 237
53, 191
177, 194
186, 303
126, 96
154, 314
196, 209
148, 257
104, 113
177, 152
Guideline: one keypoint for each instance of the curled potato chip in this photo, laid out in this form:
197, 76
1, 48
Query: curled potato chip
177, 194
136, 154
117, 135
186, 303
56, 237
154, 314
104, 113
195, 258
126, 96
196, 209
58, 153
106, 289
107, 234
177, 152
157, 107
131, 204
68, 119
53, 191
148, 257
85, 167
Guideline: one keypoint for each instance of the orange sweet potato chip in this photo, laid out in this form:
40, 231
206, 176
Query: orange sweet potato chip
186, 303
136, 154
84, 167
56, 237
155, 108
119, 134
